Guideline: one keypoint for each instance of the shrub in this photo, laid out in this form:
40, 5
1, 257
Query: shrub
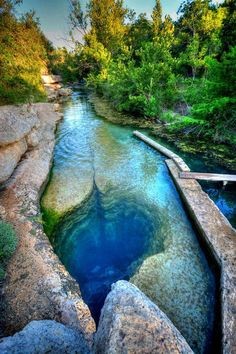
8, 242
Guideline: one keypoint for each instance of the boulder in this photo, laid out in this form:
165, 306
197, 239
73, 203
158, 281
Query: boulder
131, 323
16, 122
9, 157
44, 337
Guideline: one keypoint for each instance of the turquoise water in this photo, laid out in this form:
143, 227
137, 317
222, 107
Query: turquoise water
123, 219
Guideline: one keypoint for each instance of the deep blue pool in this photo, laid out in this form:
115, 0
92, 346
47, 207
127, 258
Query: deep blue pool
100, 244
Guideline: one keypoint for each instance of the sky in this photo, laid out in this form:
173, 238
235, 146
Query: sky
53, 14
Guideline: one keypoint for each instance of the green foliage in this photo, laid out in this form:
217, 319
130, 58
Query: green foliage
139, 33
65, 63
23, 56
157, 19
151, 67
107, 22
8, 243
139, 89
219, 117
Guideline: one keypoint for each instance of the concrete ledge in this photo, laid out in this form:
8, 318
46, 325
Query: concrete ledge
216, 231
168, 153
221, 239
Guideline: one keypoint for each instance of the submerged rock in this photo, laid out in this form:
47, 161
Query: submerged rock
44, 337
189, 303
67, 191
131, 323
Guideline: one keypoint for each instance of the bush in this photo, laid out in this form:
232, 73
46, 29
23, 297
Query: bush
8, 243
220, 118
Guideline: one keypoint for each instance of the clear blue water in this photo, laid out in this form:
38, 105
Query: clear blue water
122, 218
104, 241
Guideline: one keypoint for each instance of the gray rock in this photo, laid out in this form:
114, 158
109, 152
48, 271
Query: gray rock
33, 138
131, 323
16, 122
9, 157
44, 337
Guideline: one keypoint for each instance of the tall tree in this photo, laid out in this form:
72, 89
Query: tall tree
157, 18
107, 19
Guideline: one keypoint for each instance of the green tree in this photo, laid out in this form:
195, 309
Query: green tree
198, 33
139, 33
157, 19
107, 19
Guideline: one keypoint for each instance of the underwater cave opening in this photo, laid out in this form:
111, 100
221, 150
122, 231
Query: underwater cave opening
104, 241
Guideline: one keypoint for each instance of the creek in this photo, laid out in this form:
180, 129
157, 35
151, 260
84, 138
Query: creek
112, 212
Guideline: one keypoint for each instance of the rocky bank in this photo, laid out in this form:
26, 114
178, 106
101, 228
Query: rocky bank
37, 285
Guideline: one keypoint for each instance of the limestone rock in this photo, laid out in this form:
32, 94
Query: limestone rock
44, 337
131, 323
16, 122
9, 157
51, 79
33, 138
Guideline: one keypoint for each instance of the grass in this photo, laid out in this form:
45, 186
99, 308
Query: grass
8, 243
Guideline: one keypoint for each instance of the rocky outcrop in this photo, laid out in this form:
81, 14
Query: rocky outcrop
10, 155
37, 286
44, 337
131, 323
54, 89
16, 123
18, 127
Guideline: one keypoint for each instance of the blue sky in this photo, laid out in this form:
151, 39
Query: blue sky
53, 14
